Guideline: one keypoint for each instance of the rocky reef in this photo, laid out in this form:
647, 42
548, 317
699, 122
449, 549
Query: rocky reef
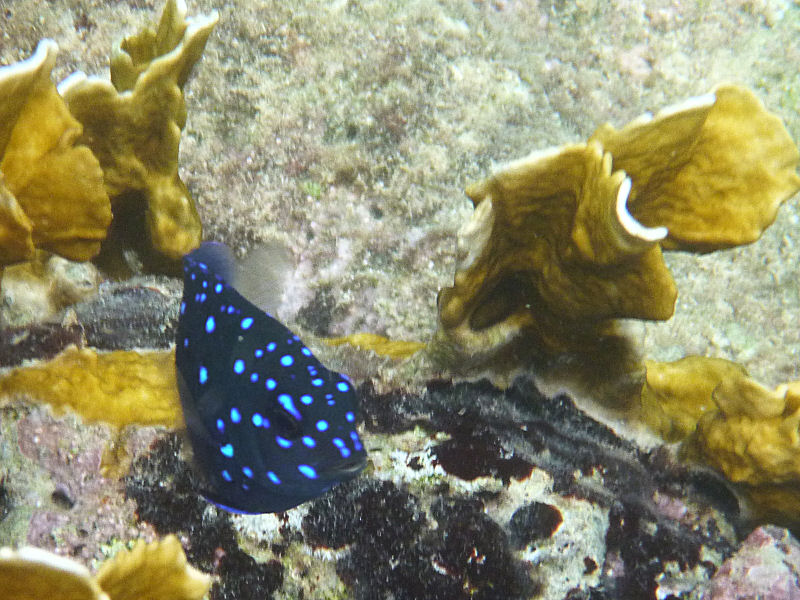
604, 457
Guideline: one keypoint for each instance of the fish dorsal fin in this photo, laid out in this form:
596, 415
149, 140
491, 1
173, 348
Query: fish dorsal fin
218, 258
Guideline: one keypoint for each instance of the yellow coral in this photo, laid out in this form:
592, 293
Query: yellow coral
747, 432
134, 129
676, 394
568, 239
754, 437
51, 194
16, 229
713, 171
394, 349
118, 388
31, 573
551, 249
157, 571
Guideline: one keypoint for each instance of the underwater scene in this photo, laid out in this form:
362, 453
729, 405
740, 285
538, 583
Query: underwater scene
399, 300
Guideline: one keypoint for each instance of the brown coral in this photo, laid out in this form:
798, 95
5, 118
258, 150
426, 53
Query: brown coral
33, 573
552, 250
713, 171
135, 127
382, 346
728, 421
675, 395
118, 388
51, 189
754, 436
157, 571
568, 239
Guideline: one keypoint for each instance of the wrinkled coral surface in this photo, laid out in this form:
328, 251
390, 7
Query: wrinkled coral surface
568, 238
713, 172
726, 420
156, 571
134, 125
141, 384
676, 395
51, 185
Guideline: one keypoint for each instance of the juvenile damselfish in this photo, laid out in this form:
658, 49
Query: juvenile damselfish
270, 426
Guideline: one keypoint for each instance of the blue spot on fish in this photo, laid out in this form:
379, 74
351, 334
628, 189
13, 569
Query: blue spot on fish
287, 403
287, 444
308, 471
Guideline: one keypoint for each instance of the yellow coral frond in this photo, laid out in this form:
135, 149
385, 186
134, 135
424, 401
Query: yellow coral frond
32, 573
394, 349
118, 388
156, 571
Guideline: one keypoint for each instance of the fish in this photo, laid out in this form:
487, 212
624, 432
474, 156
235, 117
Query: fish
270, 427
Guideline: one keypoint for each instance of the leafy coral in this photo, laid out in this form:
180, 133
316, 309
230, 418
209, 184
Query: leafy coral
157, 570
51, 185
133, 124
118, 388
728, 421
567, 239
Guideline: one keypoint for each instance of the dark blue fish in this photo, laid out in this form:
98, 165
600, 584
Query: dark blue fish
270, 426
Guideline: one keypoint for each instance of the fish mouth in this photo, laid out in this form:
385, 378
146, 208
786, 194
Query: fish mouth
346, 469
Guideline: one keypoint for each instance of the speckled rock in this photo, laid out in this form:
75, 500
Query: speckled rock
549, 503
766, 566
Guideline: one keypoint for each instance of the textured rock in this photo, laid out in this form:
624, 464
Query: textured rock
766, 566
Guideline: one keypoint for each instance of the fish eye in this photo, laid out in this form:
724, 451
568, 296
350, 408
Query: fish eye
286, 425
